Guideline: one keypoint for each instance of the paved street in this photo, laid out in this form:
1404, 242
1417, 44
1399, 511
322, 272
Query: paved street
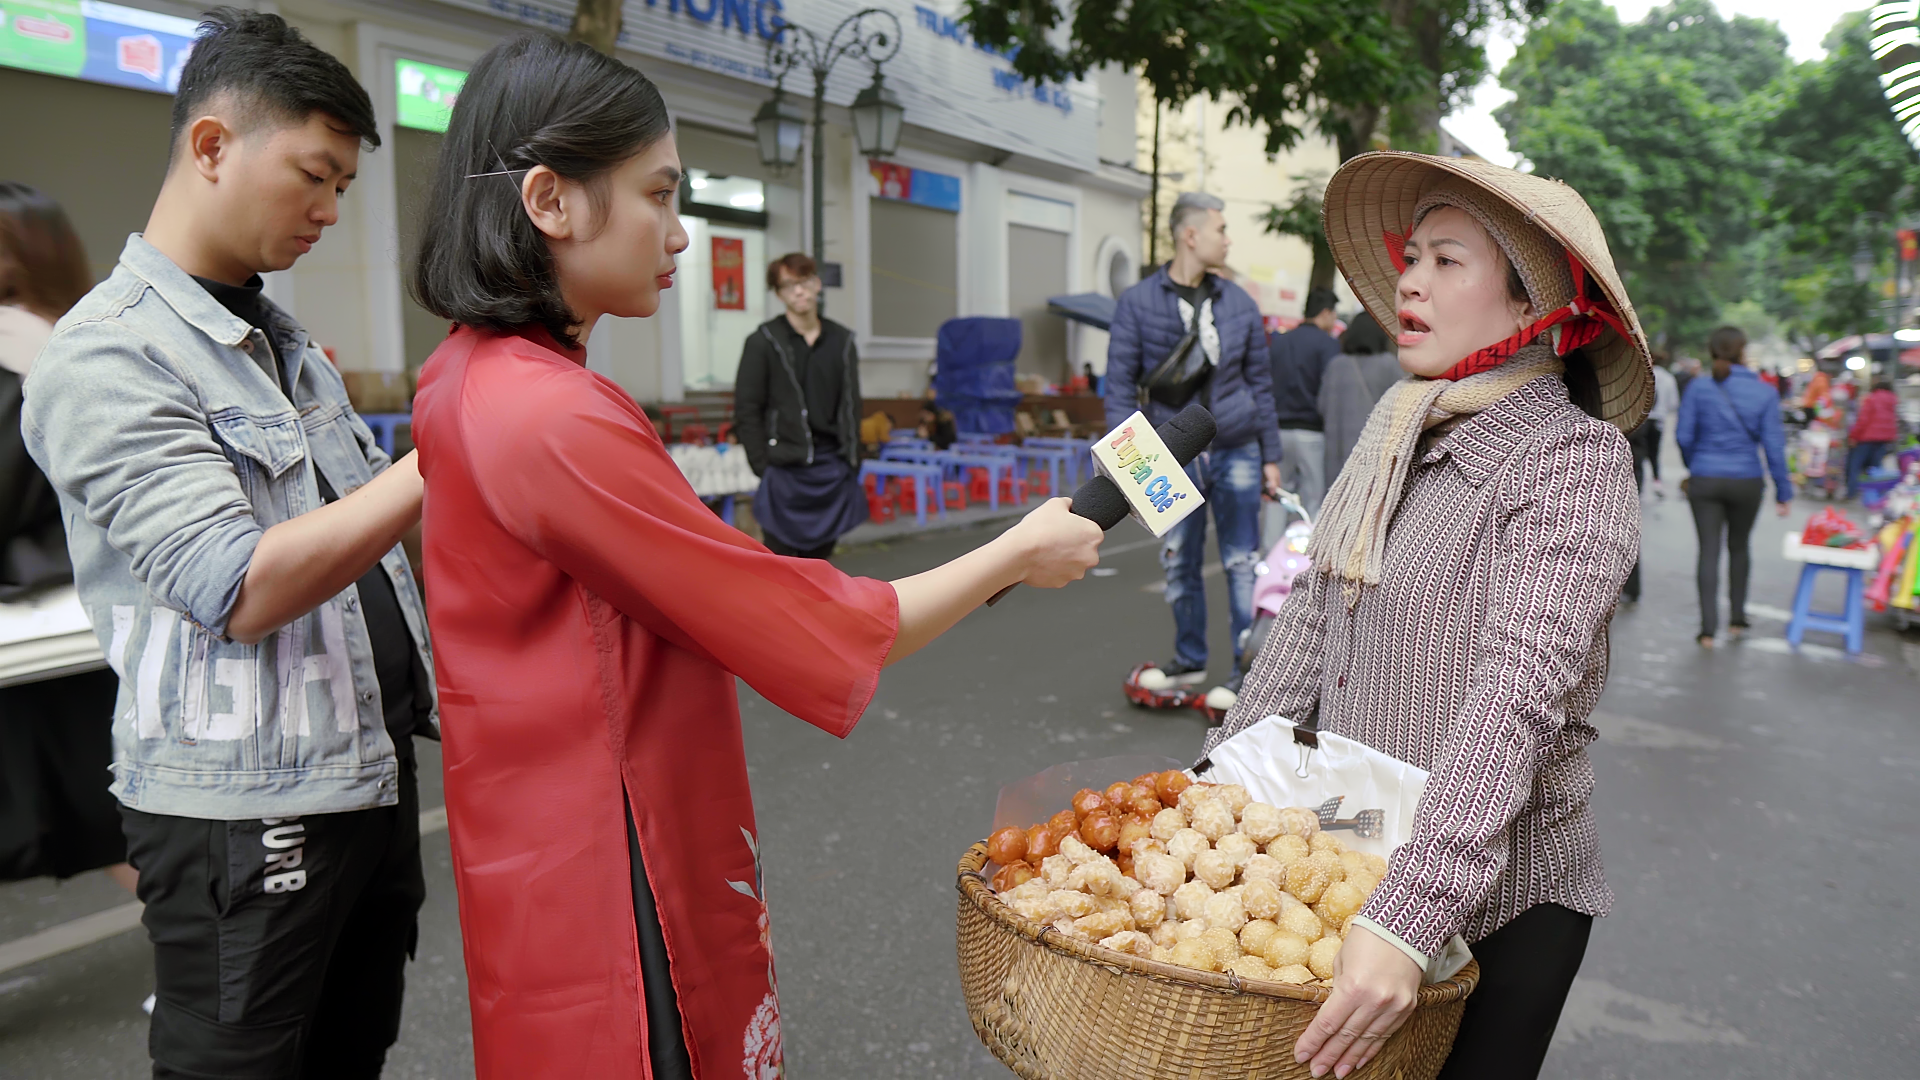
1756, 810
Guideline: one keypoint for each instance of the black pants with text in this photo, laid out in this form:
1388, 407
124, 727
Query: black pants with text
280, 945
1526, 969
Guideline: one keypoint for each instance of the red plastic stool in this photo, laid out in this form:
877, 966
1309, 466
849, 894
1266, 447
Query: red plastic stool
978, 484
956, 494
1013, 489
879, 507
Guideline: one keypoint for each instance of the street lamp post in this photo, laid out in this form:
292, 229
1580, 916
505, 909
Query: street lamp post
872, 35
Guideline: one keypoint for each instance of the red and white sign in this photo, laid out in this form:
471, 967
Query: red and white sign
139, 54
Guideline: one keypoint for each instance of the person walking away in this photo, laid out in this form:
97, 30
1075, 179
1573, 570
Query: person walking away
593, 618
1727, 423
1465, 569
235, 531
1874, 432
1685, 370
796, 405
1354, 382
1188, 295
1666, 409
56, 735
1300, 358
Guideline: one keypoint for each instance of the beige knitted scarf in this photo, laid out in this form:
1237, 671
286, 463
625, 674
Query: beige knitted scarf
1350, 537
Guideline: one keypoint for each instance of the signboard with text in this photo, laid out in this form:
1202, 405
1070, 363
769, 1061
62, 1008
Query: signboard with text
95, 41
425, 93
947, 81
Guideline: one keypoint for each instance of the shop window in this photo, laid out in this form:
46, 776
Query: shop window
721, 285
915, 254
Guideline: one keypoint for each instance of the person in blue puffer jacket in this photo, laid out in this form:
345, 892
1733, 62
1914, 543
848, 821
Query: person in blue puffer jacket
1727, 423
1243, 460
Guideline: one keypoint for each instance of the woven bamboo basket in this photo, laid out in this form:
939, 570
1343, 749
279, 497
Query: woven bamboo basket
1052, 1008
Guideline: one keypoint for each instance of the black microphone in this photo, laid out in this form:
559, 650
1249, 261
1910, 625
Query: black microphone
1100, 501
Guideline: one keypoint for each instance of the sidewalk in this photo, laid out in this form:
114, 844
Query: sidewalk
904, 526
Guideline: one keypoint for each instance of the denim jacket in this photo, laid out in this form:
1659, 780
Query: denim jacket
172, 450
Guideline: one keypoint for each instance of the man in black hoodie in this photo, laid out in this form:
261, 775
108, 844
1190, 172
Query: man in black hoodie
1300, 357
796, 407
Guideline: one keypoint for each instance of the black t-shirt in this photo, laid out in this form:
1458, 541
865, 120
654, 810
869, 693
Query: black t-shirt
394, 658
822, 379
1192, 294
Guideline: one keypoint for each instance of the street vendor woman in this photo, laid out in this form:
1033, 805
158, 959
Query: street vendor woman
1465, 567
590, 614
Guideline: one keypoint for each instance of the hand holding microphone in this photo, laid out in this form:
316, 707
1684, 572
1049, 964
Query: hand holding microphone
1059, 542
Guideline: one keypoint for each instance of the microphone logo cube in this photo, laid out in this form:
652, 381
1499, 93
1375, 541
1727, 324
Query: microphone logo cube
1159, 493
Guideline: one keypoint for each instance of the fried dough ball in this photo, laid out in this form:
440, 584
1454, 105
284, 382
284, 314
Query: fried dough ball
1035, 889
1293, 973
1300, 921
1168, 785
1128, 886
1166, 823
1238, 847
1118, 794
1007, 846
1142, 847
1190, 900
1012, 875
1299, 821
1264, 867
1261, 898
1235, 797
1255, 935
1076, 849
1149, 909
1098, 876
1194, 796
1064, 822
1307, 879
1100, 831
1101, 924
1132, 827
1261, 822
1162, 954
1225, 912
1211, 819
1331, 863
1325, 841
1065, 928
1042, 841
1088, 801
1251, 967
1190, 930
1320, 957
1131, 942
1288, 848
1214, 868
1029, 908
1283, 948
1057, 869
1195, 954
1161, 873
1366, 883
1376, 865
1354, 863
1225, 944
1346, 925
1068, 904
1341, 900
1167, 934
1186, 844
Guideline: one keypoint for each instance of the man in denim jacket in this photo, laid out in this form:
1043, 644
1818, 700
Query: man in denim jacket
233, 530
1148, 322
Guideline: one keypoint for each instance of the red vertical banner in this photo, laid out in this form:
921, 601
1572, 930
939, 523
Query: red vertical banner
729, 274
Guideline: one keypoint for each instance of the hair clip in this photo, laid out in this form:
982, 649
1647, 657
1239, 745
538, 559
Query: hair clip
503, 170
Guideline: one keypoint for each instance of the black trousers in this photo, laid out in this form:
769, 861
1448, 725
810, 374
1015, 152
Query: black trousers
824, 551
1526, 969
56, 742
280, 945
1724, 506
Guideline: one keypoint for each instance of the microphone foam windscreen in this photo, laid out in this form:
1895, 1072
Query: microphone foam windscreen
1188, 433
1100, 502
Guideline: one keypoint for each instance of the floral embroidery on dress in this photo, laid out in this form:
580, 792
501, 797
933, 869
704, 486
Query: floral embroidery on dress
763, 1058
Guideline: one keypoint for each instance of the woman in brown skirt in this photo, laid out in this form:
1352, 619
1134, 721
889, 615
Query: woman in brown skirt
1465, 567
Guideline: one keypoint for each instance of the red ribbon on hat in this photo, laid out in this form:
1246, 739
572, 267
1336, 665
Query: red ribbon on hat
1580, 322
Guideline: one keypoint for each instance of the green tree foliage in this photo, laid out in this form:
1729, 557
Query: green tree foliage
1722, 171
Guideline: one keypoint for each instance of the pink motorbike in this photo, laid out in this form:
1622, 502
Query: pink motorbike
1273, 576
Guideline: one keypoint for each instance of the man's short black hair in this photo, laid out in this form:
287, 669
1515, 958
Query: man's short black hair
273, 70
1319, 300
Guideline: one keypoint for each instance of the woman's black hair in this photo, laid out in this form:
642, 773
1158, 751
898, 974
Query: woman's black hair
1583, 382
1728, 343
531, 100
1364, 337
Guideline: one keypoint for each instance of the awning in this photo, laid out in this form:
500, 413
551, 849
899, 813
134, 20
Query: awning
1090, 308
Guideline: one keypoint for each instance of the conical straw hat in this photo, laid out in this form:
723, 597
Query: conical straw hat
1376, 194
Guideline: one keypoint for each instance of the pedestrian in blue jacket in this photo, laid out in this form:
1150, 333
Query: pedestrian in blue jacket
1727, 423
1243, 460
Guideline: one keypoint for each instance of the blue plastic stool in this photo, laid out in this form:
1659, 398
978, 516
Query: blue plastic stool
1852, 623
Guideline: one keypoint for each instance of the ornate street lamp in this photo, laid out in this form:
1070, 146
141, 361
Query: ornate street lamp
872, 35
779, 127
